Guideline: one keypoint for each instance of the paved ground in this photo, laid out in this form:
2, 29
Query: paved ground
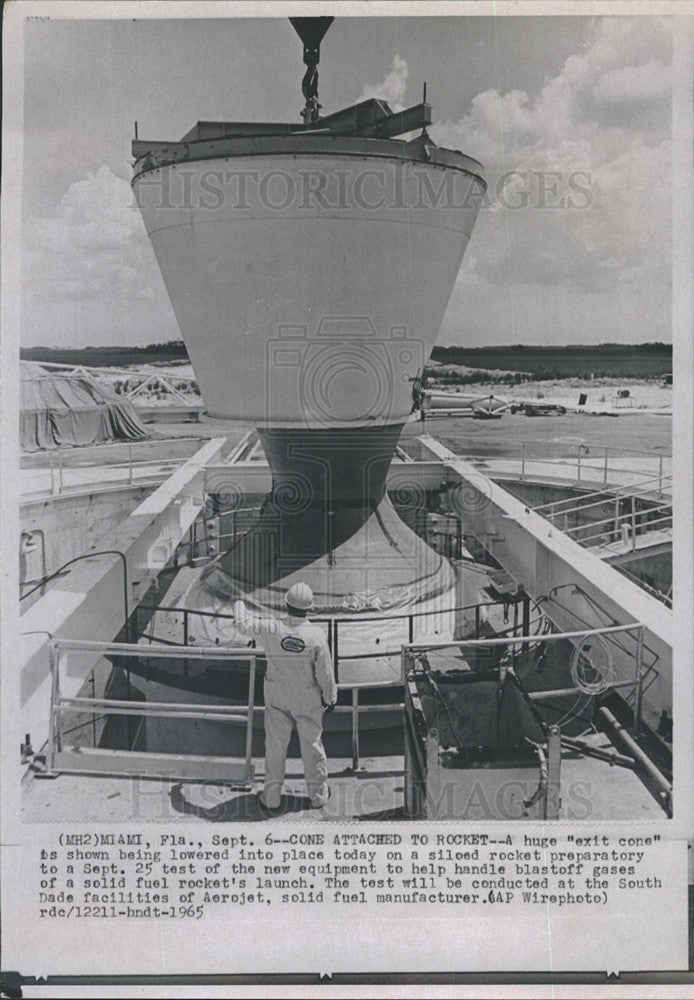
376, 792
591, 790
555, 436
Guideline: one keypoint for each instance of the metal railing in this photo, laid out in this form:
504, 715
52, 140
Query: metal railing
593, 463
410, 652
637, 759
243, 519
59, 759
128, 762
334, 625
572, 504
57, 473
627, 526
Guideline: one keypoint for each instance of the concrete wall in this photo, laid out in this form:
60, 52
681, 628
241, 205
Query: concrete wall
73, 524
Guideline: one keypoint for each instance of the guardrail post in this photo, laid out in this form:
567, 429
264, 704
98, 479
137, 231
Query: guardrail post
433, 776
355, 728
633, 524
660, 477
93, 683
55, 694
409, 790
336, 655
526, 629
578, 465
604, 478
331, 537
406, 662
638, 701
250, 720
616, 518
186, 636
553, 793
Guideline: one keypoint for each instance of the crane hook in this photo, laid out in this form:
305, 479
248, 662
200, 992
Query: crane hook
311, 31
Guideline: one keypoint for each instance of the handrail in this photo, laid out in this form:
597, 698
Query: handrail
381, 654
340, 621
551, 636
606, 449
192, 711
610, 498
612, 491
170, 652
620, 517
237, 713
335, 623
636, 533
410, 650
60, 705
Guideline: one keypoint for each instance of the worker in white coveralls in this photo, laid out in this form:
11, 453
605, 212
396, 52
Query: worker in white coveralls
299, 687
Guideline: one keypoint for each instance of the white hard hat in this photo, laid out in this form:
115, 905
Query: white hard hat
300, 596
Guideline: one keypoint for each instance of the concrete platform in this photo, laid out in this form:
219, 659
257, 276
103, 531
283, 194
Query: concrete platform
373, 793
591, 790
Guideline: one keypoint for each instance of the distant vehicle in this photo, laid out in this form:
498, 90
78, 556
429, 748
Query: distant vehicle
479, 414
538, 409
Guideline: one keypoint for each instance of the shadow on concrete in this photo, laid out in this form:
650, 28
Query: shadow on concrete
240, 808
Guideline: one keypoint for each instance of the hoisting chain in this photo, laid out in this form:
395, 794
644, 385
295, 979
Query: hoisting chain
309, 84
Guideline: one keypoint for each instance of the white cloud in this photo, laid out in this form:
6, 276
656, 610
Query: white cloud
634, 84
89, 274
392, 88
606, 116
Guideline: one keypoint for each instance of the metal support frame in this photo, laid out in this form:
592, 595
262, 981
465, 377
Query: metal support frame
355, 728
434, 783
638, 680
428, 770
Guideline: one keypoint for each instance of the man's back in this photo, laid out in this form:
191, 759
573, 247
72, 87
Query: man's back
292, 649
298, 657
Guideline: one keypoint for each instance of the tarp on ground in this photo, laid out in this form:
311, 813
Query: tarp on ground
60, 410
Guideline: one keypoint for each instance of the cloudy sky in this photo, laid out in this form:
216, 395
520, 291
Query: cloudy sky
587, 99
